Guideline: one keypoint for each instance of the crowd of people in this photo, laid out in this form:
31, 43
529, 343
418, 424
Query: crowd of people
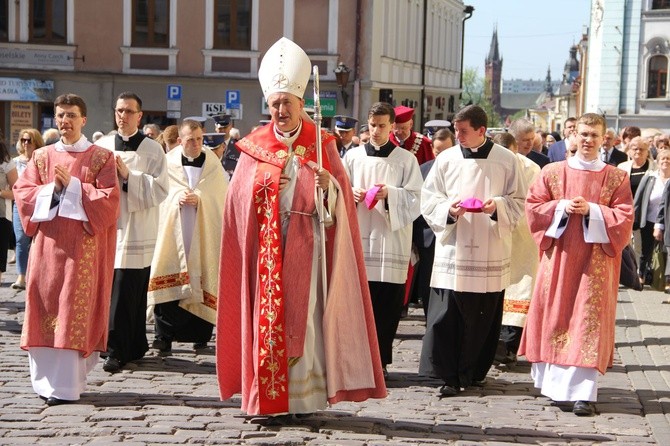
302, 262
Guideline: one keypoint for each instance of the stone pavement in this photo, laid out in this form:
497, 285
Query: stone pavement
174, 400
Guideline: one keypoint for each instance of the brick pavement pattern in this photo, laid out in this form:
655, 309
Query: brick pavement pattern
174, 400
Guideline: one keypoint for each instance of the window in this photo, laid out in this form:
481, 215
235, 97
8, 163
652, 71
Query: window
658, 77
660, 4
48, 21
232, 24
151, 23
4, 20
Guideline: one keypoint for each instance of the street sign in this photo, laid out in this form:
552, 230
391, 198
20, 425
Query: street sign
173, 114
232, 99
210, 109
174, 92
173, 105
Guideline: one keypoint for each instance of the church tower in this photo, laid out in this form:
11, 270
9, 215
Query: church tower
493, 74
571, 69
547, 86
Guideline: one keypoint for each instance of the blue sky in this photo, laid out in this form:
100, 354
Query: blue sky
532, 35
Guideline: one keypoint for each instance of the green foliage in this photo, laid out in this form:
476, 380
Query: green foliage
474, 93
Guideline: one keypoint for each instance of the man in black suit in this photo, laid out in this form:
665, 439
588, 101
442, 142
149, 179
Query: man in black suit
523, 132
423, 236
609, 153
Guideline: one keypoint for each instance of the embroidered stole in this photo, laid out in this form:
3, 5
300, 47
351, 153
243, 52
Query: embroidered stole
272, 155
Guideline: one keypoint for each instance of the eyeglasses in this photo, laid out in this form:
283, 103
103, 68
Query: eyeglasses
126, 111
26, 140
70, 116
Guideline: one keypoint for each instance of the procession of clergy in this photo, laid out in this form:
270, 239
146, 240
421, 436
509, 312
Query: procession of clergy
120, 218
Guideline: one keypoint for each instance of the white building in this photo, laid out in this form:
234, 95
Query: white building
628, 59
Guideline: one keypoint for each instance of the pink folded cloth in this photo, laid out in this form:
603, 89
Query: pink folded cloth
472, 204
370, 196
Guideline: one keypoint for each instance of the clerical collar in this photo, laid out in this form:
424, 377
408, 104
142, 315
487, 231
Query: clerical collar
126, 138
380, 151
198, 161
130, 143
576, 162
479, 152
80, 146
288, 138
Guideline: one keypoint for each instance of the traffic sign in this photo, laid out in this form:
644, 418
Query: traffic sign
174, 92
232, 99
173, 105
174, 114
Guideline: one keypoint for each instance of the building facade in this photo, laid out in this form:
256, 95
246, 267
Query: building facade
201, 57
628, 59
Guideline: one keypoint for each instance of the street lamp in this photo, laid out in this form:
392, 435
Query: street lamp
342, 77
468, 11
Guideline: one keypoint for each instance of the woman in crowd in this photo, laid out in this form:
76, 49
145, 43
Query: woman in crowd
30, 139
639, 164
8, 177
168, 138
647, 203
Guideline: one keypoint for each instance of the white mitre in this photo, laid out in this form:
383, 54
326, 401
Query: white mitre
285, 68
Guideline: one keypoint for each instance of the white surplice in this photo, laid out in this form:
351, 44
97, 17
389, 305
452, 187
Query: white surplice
148, 185
474, 253
525, 259
386, 229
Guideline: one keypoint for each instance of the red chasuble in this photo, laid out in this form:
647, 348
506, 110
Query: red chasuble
264, 290
572, 312
71, 262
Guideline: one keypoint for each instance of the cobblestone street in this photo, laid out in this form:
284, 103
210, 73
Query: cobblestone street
174, 400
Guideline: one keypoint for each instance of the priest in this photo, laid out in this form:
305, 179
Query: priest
473, 199
580, 213
68, 202
183, 284
281, 343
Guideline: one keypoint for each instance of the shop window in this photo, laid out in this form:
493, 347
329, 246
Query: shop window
657, 83
660, 4
48, 21
151, 23
232, 24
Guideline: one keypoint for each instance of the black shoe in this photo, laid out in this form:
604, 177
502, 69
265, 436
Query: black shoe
385, 373
111, 365
200, 346
447, 390
53, 401
509, 359
164, 347
584, 409
480, 383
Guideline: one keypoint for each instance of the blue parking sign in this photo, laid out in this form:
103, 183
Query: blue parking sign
232, 98
174, 92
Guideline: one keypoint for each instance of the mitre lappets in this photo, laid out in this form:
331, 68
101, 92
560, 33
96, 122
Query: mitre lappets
285, 68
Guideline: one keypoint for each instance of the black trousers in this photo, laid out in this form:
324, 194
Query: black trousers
173, 323
6, 237
647, 249
128, 313
387, 300
422, 272
511, 336
462, 331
